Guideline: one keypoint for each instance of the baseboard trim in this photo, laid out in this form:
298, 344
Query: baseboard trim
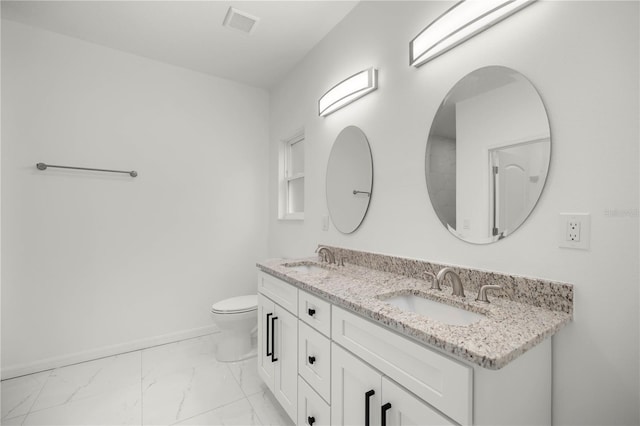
90, 355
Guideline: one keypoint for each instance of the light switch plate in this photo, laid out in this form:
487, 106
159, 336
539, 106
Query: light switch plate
574, 230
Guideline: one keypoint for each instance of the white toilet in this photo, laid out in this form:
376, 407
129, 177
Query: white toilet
237, 319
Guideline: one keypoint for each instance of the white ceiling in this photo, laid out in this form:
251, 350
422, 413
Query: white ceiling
190, 34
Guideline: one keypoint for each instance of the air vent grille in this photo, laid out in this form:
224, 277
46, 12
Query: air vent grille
240, 21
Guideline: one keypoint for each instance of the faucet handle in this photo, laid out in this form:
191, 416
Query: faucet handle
341, 261
435, 284
482, 293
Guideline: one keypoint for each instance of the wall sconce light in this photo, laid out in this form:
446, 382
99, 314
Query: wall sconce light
348, 91
464, 20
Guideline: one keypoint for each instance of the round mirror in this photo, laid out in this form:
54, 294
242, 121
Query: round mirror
488, 154
349, 179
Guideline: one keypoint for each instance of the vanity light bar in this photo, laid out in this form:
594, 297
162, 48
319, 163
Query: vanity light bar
458, 24
347, 91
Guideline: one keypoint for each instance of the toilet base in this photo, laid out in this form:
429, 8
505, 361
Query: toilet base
234, 346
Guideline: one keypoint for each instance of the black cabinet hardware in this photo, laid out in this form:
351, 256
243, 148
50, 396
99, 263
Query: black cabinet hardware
267, 339
383, 413
273, 339
367, 397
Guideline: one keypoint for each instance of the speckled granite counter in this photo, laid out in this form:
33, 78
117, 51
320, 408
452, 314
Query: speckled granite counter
510, 327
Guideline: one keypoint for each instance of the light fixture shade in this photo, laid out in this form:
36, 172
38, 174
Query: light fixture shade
464, 20
348, 90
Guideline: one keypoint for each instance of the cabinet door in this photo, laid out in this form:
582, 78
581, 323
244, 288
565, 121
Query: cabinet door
266, 311
354, 387
286, 364
407, 410
444, 383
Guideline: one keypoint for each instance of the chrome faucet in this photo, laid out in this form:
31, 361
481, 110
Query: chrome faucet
325, 254
458, 289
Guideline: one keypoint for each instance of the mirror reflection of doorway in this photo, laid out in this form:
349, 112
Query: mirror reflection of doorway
514, 185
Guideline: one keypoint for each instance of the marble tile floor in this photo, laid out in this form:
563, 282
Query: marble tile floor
175, 384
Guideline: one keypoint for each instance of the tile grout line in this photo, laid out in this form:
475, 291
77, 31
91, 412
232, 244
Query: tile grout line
255, 412
208, 411
37, 396
246, 397
31, 410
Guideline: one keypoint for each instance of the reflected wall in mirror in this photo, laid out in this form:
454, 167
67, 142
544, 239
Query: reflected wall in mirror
488, 154
349, 179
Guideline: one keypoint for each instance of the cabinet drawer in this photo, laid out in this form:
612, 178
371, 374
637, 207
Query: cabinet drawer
314, 359
440, 381
281, 292
315, 312
312, 410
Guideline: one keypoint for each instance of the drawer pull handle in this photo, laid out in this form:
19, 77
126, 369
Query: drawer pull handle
312, 359
383, 414
267, 339
311, 420
273, 339
367, 397
311, 312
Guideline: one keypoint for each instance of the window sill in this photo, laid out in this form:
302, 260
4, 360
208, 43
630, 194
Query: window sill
292, 216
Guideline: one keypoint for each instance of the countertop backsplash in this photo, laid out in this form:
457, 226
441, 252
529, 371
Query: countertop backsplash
552, 295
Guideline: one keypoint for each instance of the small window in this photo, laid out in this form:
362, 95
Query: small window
292, 178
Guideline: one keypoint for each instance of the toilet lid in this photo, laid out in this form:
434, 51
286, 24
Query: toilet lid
236, 305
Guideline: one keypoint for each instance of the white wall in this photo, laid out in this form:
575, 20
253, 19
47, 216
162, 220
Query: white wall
583, 59
95, 262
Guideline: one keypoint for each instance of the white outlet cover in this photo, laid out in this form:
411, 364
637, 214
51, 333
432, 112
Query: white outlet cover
584, 219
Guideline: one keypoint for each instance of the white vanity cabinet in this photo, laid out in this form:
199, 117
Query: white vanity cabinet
335, 367
363, 396
278, 342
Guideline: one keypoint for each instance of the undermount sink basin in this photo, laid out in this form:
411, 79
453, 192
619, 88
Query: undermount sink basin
434, 310
304, 267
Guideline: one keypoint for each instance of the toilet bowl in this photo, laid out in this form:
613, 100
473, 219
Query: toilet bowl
237, 319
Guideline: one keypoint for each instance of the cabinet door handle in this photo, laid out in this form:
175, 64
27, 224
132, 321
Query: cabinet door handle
312, 359
311, 312
273, 339
311, 420
383, 413
267, 339
367, 397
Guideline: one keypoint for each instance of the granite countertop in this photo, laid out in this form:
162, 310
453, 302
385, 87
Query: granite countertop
508, 330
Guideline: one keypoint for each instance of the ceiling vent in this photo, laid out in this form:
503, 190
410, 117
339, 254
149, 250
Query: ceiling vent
240, 21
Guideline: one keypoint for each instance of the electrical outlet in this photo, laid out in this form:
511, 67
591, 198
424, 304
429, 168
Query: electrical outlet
574, 230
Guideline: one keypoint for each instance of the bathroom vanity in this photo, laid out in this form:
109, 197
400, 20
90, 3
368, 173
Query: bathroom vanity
344, 345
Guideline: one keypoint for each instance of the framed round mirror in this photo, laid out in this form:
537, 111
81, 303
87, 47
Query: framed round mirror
488, 154
349, 179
